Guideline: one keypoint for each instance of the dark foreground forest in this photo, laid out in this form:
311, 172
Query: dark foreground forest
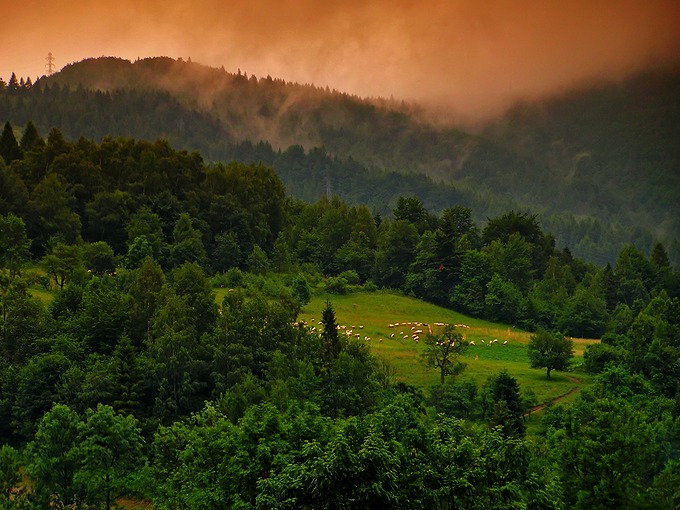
120, 375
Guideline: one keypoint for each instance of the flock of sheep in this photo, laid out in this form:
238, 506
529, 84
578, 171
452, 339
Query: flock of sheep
414, 334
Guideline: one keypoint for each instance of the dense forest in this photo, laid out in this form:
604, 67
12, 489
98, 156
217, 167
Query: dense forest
586, 162
130, 380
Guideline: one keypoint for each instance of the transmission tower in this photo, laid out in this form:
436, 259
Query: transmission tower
50, 64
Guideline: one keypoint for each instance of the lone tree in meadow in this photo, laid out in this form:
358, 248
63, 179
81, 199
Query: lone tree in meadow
442, 352
552, 351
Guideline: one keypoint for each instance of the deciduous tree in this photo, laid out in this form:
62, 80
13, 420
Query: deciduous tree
552, 351
442, 352
110, 450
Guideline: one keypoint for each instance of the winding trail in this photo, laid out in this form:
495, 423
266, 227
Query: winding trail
556, 399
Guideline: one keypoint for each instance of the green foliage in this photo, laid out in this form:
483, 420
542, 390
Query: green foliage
61, 262
605, 455
507, 409
457, 398
22, 319
187, 243
330, 339
442, 352
98, 258
9, 148
395, 253
14, 244
10, 476
301, 290
470, 294
109, 452
138, 250
257, 261
336, 285
503, 300
550, 350
53, 456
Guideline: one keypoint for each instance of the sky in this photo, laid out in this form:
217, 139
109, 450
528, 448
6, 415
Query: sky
469, 57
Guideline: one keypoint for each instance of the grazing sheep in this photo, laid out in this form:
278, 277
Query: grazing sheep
483, 341
472, 342
505, 343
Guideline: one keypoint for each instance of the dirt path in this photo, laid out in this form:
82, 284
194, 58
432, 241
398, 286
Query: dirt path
557, 399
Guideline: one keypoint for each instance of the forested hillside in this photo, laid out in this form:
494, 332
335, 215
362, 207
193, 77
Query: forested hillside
120, 374
587, 162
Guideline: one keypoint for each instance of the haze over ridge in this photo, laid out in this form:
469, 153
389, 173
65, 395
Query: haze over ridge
473, 58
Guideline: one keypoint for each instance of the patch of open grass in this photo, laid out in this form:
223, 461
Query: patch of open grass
369, 314
46, 296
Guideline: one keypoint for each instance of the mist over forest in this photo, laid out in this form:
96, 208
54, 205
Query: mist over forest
599, 164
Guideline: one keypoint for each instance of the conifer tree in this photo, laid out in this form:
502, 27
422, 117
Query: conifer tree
9, 148
330, 340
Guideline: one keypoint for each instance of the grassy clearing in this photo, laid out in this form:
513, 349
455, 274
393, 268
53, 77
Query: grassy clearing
46, 296
369, 314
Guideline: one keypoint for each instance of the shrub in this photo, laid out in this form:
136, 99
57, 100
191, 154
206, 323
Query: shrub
351, 277
336, 285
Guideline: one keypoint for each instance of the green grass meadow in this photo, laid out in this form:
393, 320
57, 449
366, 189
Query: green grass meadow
370, 313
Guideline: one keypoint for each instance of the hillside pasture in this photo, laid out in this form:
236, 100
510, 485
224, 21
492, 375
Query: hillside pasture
370, 314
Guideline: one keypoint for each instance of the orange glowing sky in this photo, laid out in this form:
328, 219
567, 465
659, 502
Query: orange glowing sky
473, 56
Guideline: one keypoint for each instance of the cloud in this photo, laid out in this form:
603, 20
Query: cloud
474, 58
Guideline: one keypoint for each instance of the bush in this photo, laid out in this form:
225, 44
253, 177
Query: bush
233, 277
598, 355
301, 290
370, 286
351, 277
336, 285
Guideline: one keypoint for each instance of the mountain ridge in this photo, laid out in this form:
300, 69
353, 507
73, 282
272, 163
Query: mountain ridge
595, 154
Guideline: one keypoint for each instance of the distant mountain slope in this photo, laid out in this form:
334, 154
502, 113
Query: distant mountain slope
612, 151
600, 165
